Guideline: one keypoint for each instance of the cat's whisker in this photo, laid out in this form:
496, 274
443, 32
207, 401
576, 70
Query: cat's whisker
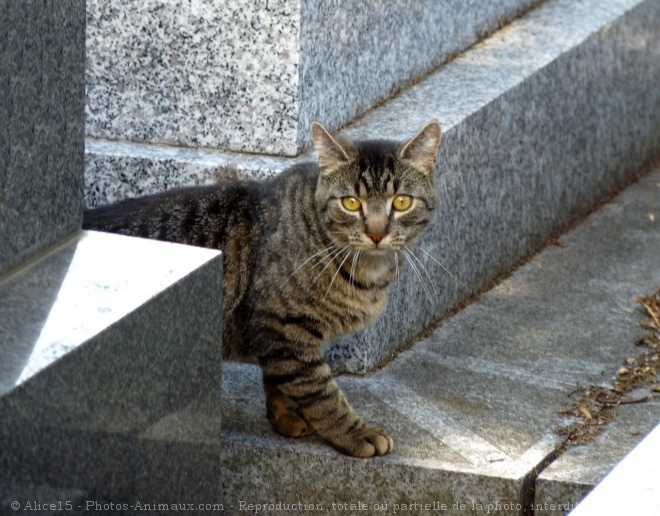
397, 272
444, 268
338, 269
356, 256
419, 276
330, 259
330, 256
423, 268
330, 249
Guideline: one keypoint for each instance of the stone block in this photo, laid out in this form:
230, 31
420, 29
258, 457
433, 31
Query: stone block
100, 338
440, 462
541, 121
42, 125
253, 76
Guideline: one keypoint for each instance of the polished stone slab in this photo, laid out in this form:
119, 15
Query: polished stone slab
119, 170
99, 338
252, 77
441, 455
42, 88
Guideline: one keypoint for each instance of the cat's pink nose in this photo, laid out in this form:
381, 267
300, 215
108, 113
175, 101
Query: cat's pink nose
376, 237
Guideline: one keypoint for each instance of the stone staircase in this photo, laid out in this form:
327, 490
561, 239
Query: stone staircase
542, 120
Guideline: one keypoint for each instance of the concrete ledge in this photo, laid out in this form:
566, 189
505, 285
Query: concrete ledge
100, 338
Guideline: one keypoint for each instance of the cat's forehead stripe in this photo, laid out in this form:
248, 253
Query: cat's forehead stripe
376, 172
370, 184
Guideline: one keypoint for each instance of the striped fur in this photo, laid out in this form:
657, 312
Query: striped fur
300, 268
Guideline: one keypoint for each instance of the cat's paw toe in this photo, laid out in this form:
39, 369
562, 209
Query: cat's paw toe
370, 441
292, 424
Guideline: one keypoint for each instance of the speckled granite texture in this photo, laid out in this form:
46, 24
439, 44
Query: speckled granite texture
99, 339
220, 74
118, 170
439, 455
42, 60
252, 76
355, 54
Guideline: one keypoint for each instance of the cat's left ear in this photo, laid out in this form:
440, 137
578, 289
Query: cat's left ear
422, 148
332, 152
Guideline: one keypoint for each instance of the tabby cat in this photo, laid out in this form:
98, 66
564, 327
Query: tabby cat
308, 256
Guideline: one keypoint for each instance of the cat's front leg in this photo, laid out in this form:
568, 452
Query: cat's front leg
302, 391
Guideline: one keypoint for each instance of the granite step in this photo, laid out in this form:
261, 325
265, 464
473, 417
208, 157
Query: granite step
541, 121
473, 407
253, 76
99, 338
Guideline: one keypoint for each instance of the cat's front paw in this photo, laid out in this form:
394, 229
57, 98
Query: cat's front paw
366, 442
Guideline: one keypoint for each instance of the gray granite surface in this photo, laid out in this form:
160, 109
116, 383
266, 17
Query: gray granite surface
42, 60
473, 407
253, 76
210, 74
100, 338
356, 54
119, 170
440, 454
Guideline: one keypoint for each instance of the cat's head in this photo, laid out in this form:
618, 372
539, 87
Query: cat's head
376, 196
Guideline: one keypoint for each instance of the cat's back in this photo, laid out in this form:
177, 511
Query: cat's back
201, 216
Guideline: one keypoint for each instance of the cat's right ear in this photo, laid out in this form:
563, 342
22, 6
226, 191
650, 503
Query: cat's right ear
331, 151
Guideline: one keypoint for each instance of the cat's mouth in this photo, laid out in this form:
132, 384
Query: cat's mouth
375, 249
378, 245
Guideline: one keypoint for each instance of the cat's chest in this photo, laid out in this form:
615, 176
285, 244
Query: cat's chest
348, 313
374, 273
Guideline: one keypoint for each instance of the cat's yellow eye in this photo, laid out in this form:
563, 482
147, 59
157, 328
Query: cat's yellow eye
351, 203
402, 202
